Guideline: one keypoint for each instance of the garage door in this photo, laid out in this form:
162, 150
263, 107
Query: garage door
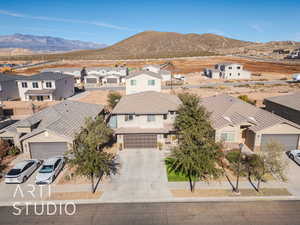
112, 80
289, 141
140, 141
91, 80
44, 150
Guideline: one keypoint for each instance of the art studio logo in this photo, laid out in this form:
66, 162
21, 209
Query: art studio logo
39, 203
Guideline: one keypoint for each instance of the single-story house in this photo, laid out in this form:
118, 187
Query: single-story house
106, 75
140, 81
286, 106
51, 131
236, 121
144, 119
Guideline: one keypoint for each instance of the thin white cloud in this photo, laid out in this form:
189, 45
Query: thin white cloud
257, 28
95, 23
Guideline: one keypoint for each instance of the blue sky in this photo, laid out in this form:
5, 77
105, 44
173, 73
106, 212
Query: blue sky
111, 21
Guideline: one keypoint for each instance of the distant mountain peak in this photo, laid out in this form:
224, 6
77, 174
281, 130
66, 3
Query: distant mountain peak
45, 43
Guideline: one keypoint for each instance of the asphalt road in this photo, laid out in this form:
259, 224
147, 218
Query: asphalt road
206, 213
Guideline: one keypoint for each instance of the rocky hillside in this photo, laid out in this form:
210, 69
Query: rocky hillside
44, 43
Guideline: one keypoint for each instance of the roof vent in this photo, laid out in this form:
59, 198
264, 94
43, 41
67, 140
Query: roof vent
227, 118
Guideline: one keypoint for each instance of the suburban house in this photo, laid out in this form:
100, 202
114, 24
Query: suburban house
286, 106
227, 71
76, 72
106, 75
165, 74
141, 81
8, 87
145, 119
51, 131
46, 86
236, 121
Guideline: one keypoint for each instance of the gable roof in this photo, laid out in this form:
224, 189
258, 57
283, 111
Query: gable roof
149, 73
65, 118
148, 102
227, 110
291, 101
47, 76
8, 77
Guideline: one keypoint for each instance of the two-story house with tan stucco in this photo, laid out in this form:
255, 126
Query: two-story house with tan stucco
145, 119
46, 86
140, 81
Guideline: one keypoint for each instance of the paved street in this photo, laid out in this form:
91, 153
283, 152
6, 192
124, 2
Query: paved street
206, 213
142, 176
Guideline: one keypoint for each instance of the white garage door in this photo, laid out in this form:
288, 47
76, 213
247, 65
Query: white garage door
44, 150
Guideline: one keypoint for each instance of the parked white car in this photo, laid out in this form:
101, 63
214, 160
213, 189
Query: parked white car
22, 171
296, 77
50, 170
294, 155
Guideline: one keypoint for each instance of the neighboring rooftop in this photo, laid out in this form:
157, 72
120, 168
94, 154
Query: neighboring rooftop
47, 76
291, 101
227, 110
149, 102
149, 73
7, 77
65, 118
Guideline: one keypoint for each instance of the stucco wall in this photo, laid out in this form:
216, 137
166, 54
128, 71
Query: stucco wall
64, 88
142, 84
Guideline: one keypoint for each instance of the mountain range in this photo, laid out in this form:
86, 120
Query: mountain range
44, 43
153, 44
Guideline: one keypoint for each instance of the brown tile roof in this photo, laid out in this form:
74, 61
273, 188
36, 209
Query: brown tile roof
227, 110
149, 102
291, 101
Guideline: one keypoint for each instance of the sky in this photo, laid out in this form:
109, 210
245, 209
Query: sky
111, 21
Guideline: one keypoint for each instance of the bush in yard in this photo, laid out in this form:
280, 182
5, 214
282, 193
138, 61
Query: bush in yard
88, 156
13, 151
197, 155
4, 148
245, 98
113, 98
269, 162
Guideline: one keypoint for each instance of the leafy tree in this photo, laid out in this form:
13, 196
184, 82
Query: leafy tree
197, 153
245, 98
4, 148
237, 164
88, 156
113, 98
269, 162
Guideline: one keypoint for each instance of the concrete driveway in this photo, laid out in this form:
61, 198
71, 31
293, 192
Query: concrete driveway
293, 175
142, 177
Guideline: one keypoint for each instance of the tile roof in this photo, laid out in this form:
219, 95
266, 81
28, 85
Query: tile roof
149, 102
65, 119
291, 101
227, 110
47, 76
149, 73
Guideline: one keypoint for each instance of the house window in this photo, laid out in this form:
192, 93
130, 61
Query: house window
24, 84
132, 82
165, 116
239, 74
40, 98
227, 137
128, 117
35, 84
238, 67
48, 85
151, 118
151, 82
230, 74
172, 112
230, 67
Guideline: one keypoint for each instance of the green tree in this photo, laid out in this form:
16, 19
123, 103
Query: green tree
270, 162
237, 164
88, 156
197, 155
245, 98
113, 98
